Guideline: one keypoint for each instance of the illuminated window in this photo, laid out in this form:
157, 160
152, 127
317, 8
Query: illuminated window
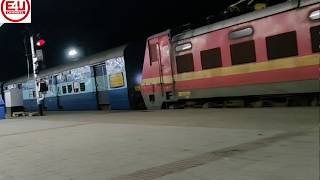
116, 80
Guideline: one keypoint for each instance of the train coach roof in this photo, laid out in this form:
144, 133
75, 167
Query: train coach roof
87, 61
286, 6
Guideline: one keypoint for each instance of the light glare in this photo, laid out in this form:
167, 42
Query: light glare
73, 52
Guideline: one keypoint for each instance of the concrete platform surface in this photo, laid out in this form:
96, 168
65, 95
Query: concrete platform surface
192, 144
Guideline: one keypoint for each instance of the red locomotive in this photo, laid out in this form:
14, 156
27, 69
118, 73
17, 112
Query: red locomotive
268, 53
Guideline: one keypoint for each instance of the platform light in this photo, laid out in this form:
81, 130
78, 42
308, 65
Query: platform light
72, 52
315, 15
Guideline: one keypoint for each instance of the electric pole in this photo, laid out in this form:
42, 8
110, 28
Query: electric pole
35, 64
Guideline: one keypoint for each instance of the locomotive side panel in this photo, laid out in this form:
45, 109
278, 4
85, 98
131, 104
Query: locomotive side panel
295, 64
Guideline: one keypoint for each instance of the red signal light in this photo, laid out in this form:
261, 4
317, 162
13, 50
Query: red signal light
40, 42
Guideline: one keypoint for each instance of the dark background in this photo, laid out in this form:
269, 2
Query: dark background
95, 26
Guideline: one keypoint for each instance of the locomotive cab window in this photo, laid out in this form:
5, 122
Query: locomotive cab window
154, 53
211, 58
315, 38
282, 45
243, 53
185, 63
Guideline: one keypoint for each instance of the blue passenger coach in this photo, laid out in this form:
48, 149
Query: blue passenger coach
107, 80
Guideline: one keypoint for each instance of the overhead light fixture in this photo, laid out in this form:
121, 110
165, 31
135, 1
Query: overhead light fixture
315, 15
72, 52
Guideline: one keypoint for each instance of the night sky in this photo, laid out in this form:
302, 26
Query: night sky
95, 26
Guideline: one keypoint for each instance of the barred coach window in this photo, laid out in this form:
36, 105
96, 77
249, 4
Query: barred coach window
243, 53
69, 88
282, 45
185, 63
64, 89
211, 58
82, 87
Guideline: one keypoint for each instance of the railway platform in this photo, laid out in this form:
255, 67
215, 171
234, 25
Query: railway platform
191, 144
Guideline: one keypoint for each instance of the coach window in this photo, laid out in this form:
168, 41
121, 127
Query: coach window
76, 87
64, 89
69, 88
315, 38
282, 45
82, 87
243, 53
185, 63
154, 53
211, 58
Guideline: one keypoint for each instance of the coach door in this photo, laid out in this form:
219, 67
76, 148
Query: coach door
100, 75
159, 49
55, 83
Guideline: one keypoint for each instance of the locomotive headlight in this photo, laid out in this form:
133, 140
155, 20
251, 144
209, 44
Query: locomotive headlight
315, 15
138, 78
